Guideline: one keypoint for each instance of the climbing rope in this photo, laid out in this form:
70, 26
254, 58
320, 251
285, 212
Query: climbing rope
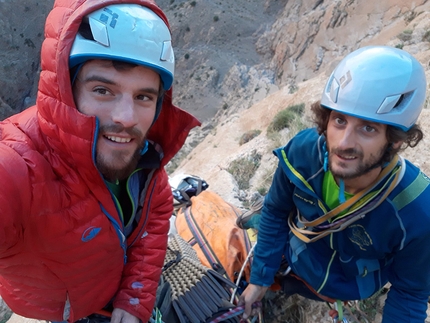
241, 272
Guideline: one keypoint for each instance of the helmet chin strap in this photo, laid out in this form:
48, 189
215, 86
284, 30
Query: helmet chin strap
325, 157
341, 197
75, 72
158, 108
145, 148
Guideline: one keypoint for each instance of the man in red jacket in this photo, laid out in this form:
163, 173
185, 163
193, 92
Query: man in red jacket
85, 200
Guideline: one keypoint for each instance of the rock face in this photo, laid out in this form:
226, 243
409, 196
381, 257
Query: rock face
218, 65
21, 23
5, 312
308, 36
229, 54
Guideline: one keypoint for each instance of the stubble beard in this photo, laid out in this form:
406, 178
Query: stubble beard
362, 168
107, 165
112, 173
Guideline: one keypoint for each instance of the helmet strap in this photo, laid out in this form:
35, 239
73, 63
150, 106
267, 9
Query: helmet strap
145, 148
74, 71
158, 108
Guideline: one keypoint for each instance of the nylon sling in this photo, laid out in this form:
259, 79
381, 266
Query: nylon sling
353, 215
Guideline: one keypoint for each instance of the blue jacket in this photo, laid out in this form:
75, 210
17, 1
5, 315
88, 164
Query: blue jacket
389, 244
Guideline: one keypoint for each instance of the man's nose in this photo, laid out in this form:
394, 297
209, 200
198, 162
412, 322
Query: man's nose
347, 138
124, 112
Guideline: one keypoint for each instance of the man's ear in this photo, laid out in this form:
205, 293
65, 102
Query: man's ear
397, 145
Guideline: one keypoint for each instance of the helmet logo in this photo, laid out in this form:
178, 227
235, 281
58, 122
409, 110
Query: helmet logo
104, 18
345, 79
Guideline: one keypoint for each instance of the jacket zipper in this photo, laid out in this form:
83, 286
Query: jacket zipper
147, 211
118, 226
322, 207
133, 205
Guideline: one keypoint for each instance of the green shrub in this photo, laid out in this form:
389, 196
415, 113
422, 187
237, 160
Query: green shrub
292, 89
410, 16
426, 36
262, 190
281, 121
298, 109
248, 136
285, 118
405, 35
266, 180
366, 310
243, 169
216, 18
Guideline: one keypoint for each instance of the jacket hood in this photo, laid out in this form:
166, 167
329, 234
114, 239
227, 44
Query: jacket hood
70, 133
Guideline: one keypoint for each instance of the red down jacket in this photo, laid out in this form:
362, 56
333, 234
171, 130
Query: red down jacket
52, 198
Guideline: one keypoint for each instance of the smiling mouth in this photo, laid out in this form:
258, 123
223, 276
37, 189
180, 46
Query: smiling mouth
118, 139
347, 157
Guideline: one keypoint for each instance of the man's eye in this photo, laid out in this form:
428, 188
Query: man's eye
369, 129
339, 121
142, 97
145, 97
100, 91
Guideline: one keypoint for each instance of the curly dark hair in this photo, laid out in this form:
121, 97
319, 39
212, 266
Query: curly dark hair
410, 138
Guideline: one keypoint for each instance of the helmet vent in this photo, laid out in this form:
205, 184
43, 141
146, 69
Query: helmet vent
395, 103
399, 101
404, 101
85, 30
94, 30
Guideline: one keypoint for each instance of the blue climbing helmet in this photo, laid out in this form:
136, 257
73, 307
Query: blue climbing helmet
380, 84
126, 32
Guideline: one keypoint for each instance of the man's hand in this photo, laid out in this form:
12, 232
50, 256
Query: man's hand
251, 294
121, 316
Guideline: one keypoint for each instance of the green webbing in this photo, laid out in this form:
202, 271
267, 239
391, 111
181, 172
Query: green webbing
339, 310
411, 192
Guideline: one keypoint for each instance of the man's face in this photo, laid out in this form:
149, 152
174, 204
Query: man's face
355, 146
124, 101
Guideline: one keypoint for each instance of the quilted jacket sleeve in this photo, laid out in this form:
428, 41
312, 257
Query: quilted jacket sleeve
146, 255
15, 197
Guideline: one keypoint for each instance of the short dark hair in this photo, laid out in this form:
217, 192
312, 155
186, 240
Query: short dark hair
410, 138
119, 66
